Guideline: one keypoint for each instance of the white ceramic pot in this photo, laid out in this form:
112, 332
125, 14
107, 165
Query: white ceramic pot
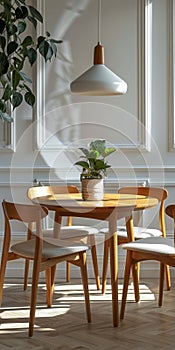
92, 189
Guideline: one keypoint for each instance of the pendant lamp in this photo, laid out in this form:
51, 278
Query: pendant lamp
98, 80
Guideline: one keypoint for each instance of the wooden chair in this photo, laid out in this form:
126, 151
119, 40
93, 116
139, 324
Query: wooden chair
161, 249
44, 253
69, 231
139, 232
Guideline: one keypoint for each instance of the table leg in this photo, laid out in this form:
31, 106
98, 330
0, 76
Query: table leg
56, 233
114, 266
136, 267
57, 225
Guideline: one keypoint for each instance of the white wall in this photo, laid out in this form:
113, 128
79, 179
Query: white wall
69, 119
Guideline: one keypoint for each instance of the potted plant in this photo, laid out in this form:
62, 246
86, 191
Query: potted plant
94, 168
17, 47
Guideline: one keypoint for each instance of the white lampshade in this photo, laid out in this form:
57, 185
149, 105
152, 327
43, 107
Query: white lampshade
98, 80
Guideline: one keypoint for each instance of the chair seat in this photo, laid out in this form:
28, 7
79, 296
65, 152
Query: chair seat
139, 232
157, 245
52, 247
73, 231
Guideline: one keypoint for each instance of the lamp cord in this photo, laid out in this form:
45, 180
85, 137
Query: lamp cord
99, 21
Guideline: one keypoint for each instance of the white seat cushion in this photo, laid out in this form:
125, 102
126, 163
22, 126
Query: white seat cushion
153, 245
73, 231
139, 232
52, 247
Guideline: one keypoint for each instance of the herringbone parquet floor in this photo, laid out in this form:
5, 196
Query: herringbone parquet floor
64, 327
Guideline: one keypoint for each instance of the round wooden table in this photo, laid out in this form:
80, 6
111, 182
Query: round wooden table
111, 208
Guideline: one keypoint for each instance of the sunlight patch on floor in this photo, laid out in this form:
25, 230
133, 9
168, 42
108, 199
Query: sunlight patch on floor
65, 296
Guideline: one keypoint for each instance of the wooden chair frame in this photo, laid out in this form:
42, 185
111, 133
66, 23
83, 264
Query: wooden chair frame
33, 214
161, 195
44, 191
135, 256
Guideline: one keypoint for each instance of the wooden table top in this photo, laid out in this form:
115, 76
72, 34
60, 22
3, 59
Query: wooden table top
72, 200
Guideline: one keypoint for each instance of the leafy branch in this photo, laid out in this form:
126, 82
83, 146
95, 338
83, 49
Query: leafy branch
94, 165
16, 49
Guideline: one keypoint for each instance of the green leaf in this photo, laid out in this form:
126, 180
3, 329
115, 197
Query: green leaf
17, 3
2, 106
15, 79
32, 55
7, 8
48, 34
5, 117
84, 165
40, 39
21, 27
7, 93
18, 13
43, 48
85, 151
27, 41
16, 99
11, 29
100, 164
21, 12
4, 64
2, 25
29, 98
18, 63
27, 88
25, 77
36, 14
49, 54
33, 21
94, 154
11, 47
2, 42
108, 151
98, 145
54, 48
3, 80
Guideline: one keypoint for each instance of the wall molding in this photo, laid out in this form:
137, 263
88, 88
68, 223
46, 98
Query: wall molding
8, 139
171, 75
144, 25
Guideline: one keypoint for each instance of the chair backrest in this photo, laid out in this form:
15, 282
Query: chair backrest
159, 193
23, 212
170, 211
44, 191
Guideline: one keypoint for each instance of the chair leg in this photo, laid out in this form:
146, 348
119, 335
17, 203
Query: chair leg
162, 270
67, 271
26, 273
168, 278
35, 279
48, 287
4, 260
85, 284
105, 264
94, 260
53, 272
135, 277
126, 283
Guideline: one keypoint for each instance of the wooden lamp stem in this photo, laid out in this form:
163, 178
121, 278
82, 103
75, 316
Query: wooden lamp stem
99, 54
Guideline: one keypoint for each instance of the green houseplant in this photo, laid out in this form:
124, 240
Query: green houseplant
17, 47
94, 168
